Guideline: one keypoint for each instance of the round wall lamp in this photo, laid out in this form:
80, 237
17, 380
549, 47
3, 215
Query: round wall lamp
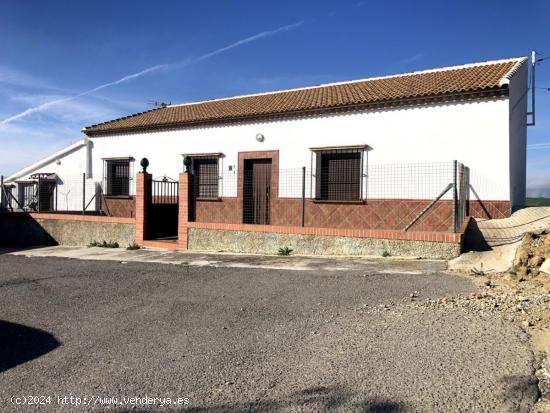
260, 137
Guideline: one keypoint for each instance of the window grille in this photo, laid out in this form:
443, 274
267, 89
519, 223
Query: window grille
339, 174
117, 177
27, 195
206, 176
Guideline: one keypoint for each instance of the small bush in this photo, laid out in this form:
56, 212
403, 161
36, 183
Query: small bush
385, 253
284, 251
133, 246
104, 244
514, 270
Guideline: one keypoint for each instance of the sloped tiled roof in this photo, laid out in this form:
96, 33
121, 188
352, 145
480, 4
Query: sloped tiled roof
477, 77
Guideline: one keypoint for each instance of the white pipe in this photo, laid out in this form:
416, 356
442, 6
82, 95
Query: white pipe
88, 157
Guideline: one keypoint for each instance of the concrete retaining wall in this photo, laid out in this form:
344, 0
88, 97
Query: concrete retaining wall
269, 243
18, 230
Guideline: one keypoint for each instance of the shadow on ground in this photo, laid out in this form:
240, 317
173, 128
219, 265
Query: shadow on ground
521, 391
315, 399
19, 344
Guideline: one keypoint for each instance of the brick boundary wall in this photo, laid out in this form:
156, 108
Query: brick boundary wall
117, 206
143, 193
87, 218
431, 236
257, 242
21, 229
376, 214
183, 211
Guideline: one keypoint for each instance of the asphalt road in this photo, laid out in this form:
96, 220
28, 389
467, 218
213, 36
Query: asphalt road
248, 339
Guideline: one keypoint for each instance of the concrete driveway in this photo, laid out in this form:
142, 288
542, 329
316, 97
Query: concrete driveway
250, 339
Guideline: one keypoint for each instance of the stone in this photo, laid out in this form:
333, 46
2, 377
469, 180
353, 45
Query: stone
522, 272
542, 250
545, 267
536, 261
308, 244
522, 257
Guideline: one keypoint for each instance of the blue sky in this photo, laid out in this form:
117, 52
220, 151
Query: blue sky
57, 51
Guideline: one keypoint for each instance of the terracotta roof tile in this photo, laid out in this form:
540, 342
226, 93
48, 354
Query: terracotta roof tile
433, 83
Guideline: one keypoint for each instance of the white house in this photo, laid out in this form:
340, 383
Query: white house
366, 145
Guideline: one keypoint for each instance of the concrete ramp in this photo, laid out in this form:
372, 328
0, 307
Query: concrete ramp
507, 231
492, 244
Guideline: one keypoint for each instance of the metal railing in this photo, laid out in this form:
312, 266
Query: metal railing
68, 193
164, 191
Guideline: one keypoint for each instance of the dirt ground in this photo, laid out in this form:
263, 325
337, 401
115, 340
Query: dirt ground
521, 295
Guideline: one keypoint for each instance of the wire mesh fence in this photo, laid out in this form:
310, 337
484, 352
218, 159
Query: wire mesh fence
336, 193
415, 196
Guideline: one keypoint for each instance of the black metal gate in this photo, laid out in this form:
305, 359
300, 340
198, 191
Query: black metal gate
162, 211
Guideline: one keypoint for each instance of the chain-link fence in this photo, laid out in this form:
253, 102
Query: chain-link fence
339, 194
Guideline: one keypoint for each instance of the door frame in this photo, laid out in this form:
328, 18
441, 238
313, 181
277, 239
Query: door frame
274, 190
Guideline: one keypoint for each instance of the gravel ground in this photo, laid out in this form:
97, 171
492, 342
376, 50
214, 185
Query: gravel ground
242, 339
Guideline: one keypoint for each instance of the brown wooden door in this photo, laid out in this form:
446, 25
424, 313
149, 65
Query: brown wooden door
256, 191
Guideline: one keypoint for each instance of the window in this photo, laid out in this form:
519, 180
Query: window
339, 174
26, 195
46, 191
206, 176
117, 177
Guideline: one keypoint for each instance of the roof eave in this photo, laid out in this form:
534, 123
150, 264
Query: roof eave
470, 95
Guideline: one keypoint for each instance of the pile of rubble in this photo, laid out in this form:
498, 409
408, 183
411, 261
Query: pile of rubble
527, 309
525, 302
532, 256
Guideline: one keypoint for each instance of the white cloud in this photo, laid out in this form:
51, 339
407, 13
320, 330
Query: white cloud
538, 183
29, 143
23, 143
544, 145
411, 59
11, 77
47, 105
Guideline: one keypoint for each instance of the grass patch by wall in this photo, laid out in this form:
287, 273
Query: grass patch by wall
534, 202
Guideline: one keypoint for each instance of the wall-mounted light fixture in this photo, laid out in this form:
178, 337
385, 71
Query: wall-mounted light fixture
260, 137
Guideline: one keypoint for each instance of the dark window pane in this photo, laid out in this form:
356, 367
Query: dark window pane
340, 176
27, 195
205, 171
118, 177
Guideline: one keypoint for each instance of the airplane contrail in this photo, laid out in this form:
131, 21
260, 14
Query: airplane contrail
183, 63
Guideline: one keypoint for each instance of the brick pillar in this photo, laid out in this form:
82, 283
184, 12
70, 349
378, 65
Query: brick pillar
143, 197
183, 214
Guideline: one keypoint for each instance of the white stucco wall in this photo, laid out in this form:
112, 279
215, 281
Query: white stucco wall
486, 135
518, 136
475, 133
69, 168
